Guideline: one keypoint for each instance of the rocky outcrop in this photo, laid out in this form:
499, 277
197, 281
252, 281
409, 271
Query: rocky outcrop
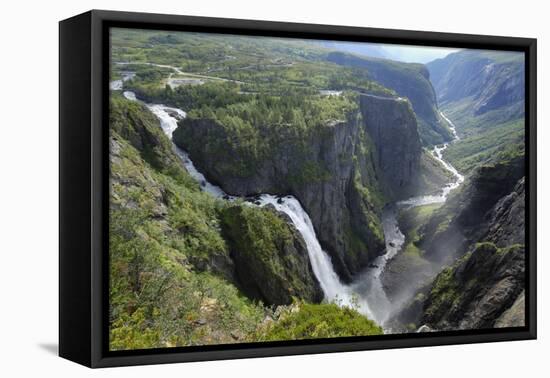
481, 289
506, 221
477, 290
336, 171
257, 248
407, 80
271, 257
136, 124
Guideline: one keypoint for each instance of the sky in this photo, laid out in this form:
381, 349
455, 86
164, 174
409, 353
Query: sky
416, 54
403, 53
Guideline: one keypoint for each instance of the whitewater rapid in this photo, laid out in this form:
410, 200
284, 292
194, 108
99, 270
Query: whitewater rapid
366, 293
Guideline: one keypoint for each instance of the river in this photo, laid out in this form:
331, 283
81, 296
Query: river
366, 294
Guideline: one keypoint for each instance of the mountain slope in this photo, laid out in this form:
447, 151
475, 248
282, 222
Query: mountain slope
483, 93
477, 290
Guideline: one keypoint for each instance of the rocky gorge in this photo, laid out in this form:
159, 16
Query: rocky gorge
284, 206
338, 172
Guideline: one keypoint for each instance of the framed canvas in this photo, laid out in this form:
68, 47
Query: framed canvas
234, 188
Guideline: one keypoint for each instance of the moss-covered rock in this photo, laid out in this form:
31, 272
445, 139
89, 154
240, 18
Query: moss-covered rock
271, 258
477, 289
133, 122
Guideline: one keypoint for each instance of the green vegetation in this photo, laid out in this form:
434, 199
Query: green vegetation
483, 93
456, 285
501, 142
158, 294
270, 256
444, 291
274, 65
408, 80
243, 136
306, 321
172, 277
188, 269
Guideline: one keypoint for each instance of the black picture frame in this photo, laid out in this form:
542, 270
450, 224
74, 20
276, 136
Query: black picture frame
84, 197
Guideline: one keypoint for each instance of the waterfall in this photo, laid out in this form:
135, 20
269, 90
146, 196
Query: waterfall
332, 287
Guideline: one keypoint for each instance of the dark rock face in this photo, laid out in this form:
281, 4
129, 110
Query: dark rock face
477, 290
408, 80
450, 299
392, 126
333, 173
270, 256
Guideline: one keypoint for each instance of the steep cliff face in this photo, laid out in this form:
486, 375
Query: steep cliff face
319, 171
506, 220
337, 171
482, 288
477, 290
408, 80
186, 268
392, 126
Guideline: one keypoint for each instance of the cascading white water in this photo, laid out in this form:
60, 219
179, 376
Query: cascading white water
332, 287
168, 118
366, 293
